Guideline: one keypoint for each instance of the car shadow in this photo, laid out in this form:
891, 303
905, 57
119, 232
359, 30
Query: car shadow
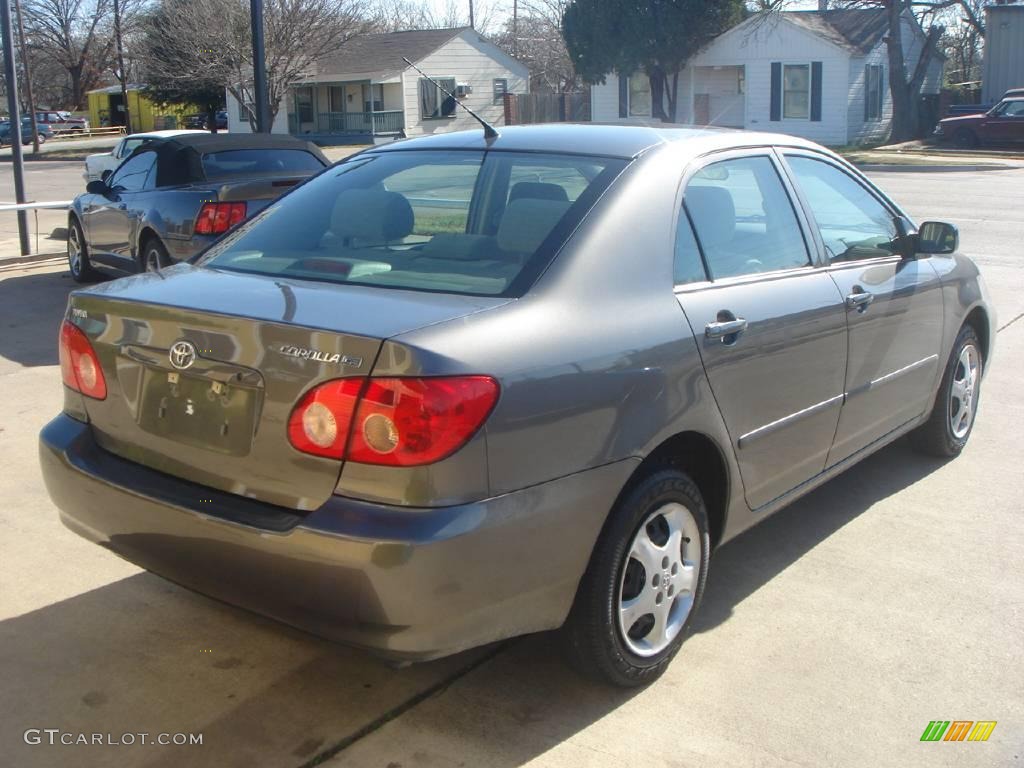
143, 655
33, 307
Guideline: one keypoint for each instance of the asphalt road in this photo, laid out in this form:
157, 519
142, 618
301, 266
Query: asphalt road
830, 635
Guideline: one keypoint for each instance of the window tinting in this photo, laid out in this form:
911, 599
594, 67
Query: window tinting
457, 222
131, 176
744, 218
853, 223
237, 162
687, 267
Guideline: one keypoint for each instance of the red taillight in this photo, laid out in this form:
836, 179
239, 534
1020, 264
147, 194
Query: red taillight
79, 366
399, 422
218, 218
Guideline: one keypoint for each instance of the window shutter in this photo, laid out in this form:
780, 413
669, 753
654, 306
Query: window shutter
623, 95
868, 96
882, 85
776, 94
816, 91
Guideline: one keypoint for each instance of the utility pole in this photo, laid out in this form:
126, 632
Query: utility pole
472, 23
515, 27
28, 78
122, 75
7, 41
259, 67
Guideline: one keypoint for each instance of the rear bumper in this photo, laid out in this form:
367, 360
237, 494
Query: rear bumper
407, 583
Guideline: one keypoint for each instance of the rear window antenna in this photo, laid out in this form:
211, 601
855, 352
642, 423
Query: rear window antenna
490, 132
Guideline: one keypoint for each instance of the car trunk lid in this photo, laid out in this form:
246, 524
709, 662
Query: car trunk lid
204, 367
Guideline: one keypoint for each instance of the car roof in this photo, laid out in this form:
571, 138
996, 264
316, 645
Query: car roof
607, 140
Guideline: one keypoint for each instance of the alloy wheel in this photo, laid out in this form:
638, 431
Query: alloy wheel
74, 251
659, 580
963, 391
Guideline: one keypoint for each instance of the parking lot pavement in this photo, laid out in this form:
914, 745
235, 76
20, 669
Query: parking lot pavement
830, 635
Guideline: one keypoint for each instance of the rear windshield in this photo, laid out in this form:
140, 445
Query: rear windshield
240, 162
481, 223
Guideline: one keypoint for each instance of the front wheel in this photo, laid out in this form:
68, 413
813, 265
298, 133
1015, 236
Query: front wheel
643, 584
965, 138
952, 418
78, 254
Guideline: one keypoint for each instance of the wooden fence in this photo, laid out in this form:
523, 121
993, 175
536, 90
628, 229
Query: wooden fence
526, 108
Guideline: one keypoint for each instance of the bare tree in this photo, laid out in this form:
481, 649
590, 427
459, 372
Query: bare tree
396, 15
534, 36
200, 44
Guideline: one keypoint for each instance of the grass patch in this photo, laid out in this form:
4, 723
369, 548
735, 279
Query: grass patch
439, 223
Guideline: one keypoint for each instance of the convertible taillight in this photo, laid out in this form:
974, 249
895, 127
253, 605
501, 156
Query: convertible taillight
218, 218
400, 422
79, 366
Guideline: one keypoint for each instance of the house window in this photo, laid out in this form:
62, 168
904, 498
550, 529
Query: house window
500, 89
376, 93
639, 95
243, 110
873, 92
796, 91
304, 104
433, 102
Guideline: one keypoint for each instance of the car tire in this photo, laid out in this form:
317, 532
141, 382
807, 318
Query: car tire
153, 256
608, 636
78, 254
965, 138
952, 418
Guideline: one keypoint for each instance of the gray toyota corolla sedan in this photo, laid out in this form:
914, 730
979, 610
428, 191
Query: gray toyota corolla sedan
458, 389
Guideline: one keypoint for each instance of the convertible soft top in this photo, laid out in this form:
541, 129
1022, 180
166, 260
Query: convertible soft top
179, 158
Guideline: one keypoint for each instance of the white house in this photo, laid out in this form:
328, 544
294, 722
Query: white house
822, 75
366, 92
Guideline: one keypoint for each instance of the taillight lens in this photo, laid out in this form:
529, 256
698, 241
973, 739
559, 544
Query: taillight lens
218, 218
79, 366
400, 422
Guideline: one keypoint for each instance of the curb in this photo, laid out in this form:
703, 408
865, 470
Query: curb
928, 168
32, 258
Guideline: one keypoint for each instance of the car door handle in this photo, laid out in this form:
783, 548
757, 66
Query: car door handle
725, 328
859, 300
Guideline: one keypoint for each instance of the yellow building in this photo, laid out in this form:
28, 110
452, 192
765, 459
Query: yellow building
106, 108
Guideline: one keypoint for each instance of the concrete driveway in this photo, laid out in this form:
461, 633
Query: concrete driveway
830, 635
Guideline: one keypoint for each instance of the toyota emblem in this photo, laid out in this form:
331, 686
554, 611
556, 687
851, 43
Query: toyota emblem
182, 354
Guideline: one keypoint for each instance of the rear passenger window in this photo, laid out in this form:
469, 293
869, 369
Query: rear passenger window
744, 219
688, 268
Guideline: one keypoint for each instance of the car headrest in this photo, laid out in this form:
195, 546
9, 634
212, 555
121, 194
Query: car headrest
713, 212
538, 191
526, 222
373, 215
457, 246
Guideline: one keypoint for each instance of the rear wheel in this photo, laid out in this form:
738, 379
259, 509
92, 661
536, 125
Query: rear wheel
78, 254
965, 137
644, 583
154, 255
948, 428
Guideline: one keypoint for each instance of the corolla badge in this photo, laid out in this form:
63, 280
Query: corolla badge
320, 357
182, 354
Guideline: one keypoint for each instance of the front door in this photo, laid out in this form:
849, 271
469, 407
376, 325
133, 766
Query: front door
770, 323
110, 218
894, 304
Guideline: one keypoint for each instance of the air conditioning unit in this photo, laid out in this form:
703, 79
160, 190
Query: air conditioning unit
462, 90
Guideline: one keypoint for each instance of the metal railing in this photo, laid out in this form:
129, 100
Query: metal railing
387, 122
35, 207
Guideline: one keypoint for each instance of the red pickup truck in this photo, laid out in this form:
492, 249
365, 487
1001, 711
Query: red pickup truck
1003, 124
62, 122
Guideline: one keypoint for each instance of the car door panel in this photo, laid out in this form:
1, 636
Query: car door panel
770, 324
893, 304
779, 385
112, 220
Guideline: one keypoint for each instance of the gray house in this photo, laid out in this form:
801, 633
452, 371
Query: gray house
1004, 51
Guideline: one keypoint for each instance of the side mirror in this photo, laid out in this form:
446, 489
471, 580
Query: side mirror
96, 187
105, 175
937, 237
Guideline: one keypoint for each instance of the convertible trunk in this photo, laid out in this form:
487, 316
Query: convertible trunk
215, 409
